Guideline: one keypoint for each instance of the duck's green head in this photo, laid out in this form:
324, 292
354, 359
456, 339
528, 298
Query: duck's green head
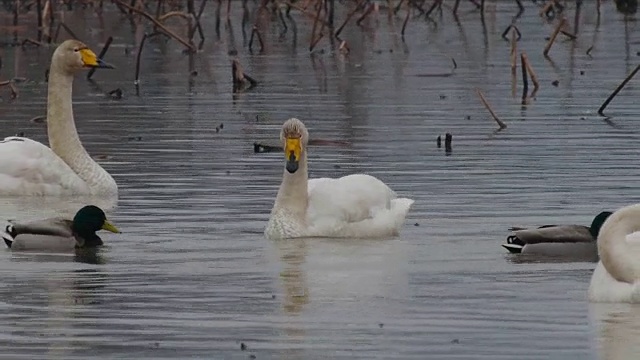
90, 219
597, 222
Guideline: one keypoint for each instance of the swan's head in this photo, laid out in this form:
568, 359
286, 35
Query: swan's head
294, 137
597, 223
73, 55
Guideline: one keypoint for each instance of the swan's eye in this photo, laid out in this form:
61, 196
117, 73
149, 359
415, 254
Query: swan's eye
76, 49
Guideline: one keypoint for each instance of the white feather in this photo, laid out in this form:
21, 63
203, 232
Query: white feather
28, 167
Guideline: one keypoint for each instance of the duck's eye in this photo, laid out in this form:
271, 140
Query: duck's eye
76, 49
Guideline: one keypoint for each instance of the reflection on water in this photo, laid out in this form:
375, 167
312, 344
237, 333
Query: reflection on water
192, 276
617, 328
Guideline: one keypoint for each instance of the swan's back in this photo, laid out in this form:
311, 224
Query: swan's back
28, 167
357, 205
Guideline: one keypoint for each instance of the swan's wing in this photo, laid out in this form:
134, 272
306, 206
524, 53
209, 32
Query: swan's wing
28, 167
349, 199
552, 234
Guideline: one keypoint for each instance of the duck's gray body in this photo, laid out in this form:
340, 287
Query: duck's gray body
48, 234
553, 240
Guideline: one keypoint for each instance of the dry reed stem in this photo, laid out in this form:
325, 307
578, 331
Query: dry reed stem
344, 48
314, 41
525, 81
158, 24
568, 34
589, 50
349, 16
406, 21
501, 124
546, 7
554, 35
617, 90
301, 9
398, 7
532, 74
433, 7
514, 51
14, 90
368, 11
256, 32
240, 78
173, 13
514, 65
67, 29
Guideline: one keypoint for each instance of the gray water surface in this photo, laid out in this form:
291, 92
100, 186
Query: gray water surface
192, 275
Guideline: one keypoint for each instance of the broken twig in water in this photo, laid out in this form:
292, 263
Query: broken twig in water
553, 37
532, 74
406, 21
315, 39
240, 78
514, 52
525, 80
501, 124
14, 91
617, 90
256, 32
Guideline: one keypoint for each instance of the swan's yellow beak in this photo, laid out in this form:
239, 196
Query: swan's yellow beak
90, 60
292, 151
107, 225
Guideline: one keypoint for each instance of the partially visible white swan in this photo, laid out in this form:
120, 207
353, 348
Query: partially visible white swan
358, 205
28, 167
617, 275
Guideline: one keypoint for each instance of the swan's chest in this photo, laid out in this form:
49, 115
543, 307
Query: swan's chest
283, 225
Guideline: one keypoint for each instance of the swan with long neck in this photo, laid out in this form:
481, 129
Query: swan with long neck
358, 205
28, 167
617, 274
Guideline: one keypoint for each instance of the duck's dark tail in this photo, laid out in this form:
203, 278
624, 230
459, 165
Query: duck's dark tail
514, 245
8, 235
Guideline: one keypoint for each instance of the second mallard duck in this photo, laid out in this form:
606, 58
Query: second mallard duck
59, 233
557, 240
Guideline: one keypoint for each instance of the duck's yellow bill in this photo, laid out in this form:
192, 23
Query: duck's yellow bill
107, 225
90, 59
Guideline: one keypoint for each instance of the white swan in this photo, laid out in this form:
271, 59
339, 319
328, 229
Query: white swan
28, 167
358, 205
617, 275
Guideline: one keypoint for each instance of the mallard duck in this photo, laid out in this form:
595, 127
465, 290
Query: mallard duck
28, 167
357, 205
59, 233
557, 240
617, 275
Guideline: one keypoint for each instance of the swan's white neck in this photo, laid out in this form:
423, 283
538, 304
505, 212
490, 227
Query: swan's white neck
621, 260
292, 194
63, 136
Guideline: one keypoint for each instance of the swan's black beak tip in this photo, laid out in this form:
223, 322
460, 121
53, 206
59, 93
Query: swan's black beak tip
292, 166
292, 163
